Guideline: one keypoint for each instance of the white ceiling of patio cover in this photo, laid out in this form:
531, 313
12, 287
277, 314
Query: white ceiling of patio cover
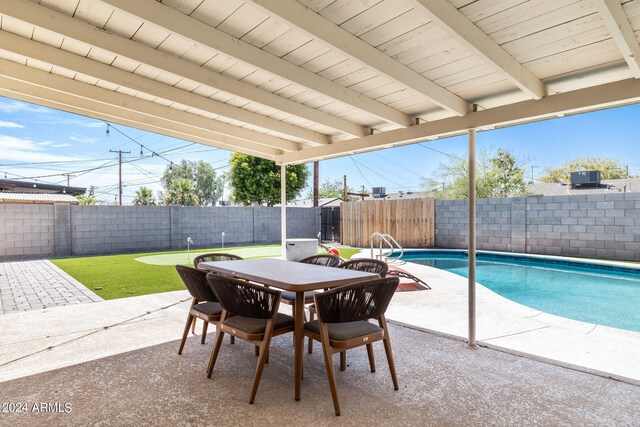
295, 81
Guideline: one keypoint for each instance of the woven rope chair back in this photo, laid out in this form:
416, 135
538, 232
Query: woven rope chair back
359, 301
326, 260
243, 298
196, 282
214, 257
369, 265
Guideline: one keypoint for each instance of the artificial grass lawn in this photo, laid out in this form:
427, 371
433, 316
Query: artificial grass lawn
121, 276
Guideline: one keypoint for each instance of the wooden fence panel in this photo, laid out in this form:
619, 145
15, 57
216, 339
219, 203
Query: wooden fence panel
410, 221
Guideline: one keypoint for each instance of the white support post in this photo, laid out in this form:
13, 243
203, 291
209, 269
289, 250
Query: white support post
283, 208
472, 239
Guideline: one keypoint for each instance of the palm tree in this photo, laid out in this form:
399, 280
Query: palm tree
182, 192
144, 197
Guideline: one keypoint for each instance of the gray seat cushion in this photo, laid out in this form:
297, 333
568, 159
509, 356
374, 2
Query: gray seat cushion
208, 308
345, 331
291, 296
257, 326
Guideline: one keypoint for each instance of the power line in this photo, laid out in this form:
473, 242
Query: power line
438, 151
377, 173
400, 166
361, 174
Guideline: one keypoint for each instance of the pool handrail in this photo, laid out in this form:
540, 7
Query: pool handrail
389, 240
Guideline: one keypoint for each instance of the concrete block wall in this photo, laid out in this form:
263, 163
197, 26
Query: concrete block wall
598, 226
26, 230
40, 231
112, 229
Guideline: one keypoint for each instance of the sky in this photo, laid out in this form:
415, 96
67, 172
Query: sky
45, 144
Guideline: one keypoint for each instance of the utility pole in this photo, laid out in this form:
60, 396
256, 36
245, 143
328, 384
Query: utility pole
532, 167
120, 153
344, 189
316, 185
68, 175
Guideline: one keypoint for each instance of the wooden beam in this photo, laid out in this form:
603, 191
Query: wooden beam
578, 101
104, 72
101, 71
118, 45
22, 79
447, 17
618, 24
336, 38
41, 96
179, 23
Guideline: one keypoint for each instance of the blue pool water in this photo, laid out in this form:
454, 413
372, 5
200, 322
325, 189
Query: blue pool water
605, 295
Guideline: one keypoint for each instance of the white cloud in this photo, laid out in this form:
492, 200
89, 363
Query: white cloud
10, 125
43, 143
17, 106
73, 122
84, 139
61, 145
25, 150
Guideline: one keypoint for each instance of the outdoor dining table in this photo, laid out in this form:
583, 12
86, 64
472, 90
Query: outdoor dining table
294, 277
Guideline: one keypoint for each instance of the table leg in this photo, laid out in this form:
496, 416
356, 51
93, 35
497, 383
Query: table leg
299, 339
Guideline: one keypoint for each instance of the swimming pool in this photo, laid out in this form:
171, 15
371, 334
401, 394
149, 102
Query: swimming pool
603, 294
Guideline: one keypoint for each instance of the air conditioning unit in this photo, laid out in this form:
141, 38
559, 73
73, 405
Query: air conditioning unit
378, 192
591, 178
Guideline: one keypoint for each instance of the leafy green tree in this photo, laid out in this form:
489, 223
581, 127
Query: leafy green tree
181, 192
505, 178
501, 175
144, 197
89, 197
609, 169
207, 185
256, 180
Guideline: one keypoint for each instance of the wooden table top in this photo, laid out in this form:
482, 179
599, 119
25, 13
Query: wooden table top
288, 275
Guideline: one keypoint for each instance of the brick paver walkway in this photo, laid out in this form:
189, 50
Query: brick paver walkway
33, 285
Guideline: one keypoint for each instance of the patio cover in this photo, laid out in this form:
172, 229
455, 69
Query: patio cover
299, 81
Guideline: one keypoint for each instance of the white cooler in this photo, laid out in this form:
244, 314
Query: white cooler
298, 249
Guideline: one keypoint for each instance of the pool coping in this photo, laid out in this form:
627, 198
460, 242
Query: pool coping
551, 318
557, 259
574, 344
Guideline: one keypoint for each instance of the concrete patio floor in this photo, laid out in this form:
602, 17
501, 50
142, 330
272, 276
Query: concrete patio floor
116, 363
441, 384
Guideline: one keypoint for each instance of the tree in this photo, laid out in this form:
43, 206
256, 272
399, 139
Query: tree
505, 178
144, 197
501, 175
88, 198
182, 192
207, 185
609, 169
256, 180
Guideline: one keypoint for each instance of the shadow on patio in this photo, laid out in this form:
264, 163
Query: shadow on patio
441, 383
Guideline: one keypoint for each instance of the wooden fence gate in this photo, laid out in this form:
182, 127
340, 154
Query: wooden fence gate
410, 221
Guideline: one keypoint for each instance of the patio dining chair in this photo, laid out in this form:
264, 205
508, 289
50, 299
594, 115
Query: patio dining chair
214, 256
342, 324
204, 304
368, 265
249, 312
